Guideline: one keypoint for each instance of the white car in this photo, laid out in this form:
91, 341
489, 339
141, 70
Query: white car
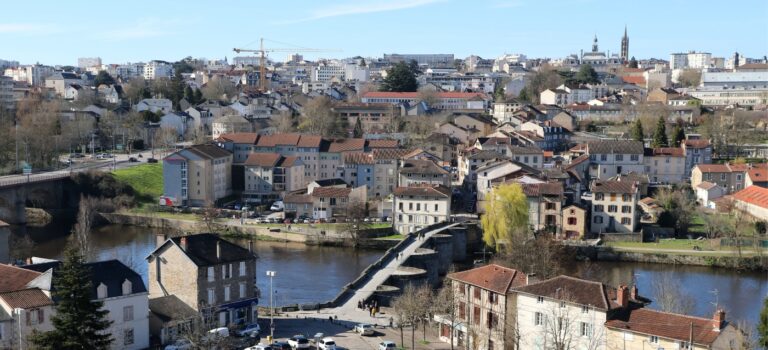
326, 344
277, 206
364, 329
259, 347
180, 344
298, 342
250, 330
387, 345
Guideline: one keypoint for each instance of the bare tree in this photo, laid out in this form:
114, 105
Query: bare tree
355, 224
444, 304
86, 216
166, 137
318, 118
134, 89
198, 335
409, 308
283, 122
428, 96
209, 215
541, 256
565, 327
219, 88
669, 295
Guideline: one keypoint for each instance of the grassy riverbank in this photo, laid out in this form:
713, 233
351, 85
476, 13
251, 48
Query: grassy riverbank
145, 179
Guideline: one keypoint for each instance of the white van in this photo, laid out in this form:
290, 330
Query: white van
277, 206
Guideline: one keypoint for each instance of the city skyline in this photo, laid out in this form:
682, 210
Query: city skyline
489, 30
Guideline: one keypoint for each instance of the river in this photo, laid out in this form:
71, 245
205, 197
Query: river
310, 274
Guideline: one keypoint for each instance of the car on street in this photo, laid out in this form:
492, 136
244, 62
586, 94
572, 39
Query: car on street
279, 345
151, 160
259, 347
364, 329
298, 342
133, 160
250, 330
387, 345
180, 344
326, 344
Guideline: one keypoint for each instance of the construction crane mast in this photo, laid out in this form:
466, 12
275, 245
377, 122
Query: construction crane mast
262, 51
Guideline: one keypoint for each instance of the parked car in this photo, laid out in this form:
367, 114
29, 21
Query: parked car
364, 329
298, 342
180, 344
133, 160
250, 330
326, 344
259, 347
222, 332
76, 155
279, 345
151, 160
387, 345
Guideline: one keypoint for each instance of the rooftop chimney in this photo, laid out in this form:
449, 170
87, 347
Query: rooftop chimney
160, 238
530, 278
218, 249
719, 319
622, 296
633, 292
183, 243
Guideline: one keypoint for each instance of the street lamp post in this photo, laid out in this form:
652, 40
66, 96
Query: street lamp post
18, 312
271, 275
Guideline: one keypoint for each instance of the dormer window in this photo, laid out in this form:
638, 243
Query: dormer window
101, 291
127, 287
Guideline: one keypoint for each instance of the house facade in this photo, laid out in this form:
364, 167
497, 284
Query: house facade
665, 165
416, 207
268, 176
614, 207
609, 158
197, 176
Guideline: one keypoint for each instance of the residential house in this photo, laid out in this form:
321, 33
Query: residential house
503, 111
614, 207
558, 97
555, 137
757, 176
495, 173
531, 156
730, 177
566, 120
443, 146
416, 207
545, 206
707, 192
154, 105
607, 158
567, 310
485, 304
665, 165
229, 124
641, 328
59, 81
177, 121
386, 169
474, 121
697, 151
459, 132
358, 170
170, 318
110, 93
662, 95
373, 116
24, 306
298, 205
213, 276
328, 202
416, 172
197, 176
72, 92
269, 175
202, 119
753, 200
574, 222
122, 292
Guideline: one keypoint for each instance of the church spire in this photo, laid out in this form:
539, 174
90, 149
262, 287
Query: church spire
594, 44
625, 46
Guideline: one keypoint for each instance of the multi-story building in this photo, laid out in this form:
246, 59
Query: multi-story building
241, 145
61, 80
444, 100
373, 116
564, 312
730, 177
495, 173
270, 175
386, 170
197, 176
574, 222
609, 158
665, 165
691, 59
642, 328
88, 62
358, 170
614, 207
418, 172
7, 99
697, 151
554, 137
34, 75
485, 304
213, 276
328, 202
24, 306
431, 60
328, 71
545, 206
747, 88
230, 124
416, 207
157, 69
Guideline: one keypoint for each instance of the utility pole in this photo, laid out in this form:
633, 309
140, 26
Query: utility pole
271, 275
690, 338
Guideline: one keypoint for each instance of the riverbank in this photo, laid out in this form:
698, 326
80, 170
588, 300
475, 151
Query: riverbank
724, 259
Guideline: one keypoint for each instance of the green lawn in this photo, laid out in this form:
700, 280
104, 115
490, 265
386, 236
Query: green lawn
664, 244
146, 180
395, 236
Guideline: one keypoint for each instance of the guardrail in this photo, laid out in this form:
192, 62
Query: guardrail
24, 179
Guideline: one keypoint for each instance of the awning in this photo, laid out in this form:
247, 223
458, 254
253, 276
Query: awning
239, 304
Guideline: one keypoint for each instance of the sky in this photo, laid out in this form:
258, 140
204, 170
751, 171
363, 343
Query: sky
139, 30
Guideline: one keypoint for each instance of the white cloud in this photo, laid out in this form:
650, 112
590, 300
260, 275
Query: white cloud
142, 29
27, 28
362, 8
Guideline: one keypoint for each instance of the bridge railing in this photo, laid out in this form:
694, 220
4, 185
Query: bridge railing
24, 179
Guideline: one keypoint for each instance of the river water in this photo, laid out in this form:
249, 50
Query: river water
311, 274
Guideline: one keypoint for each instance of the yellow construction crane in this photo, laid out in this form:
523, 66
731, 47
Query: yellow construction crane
262, 51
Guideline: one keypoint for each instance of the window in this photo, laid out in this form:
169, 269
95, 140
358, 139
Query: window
562, 304
599, 196
634, 157
242, 290
626, 221
538, 319
226, 293
127, 287
436, 207
101, 291
684, 345
128, 313
586, 329
242, 268
626, 197
476, 292
722, 177
128, 336
539, 300
492, 297
211, 296
584, 309
619, 157
598, 219
226, 271
653, 339
551, 206
462, 311
476, 315
603, 157
598, 208
626, 209
210, 273
612, 208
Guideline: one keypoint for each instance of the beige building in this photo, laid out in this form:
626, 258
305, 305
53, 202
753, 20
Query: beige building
229, 124
373, 116
574, 222
753, 200
328, 202
419, 172
211, 275
485, 308
419, 206
642, 328
545, 205
18, 290
197, 176
269, 175
665, 165
731, 177
614, 207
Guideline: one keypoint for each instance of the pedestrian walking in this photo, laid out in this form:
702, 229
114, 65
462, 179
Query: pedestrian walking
390, 322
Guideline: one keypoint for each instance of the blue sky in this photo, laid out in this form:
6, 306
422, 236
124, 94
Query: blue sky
138, 30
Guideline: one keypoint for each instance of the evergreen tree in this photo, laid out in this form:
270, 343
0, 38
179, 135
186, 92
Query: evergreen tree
198, 96
103, 78
145, 93
678, 135
633, 62
358, 131
78, 323
762, 326
660, 135
189, 95
586, 75
400, 78
637, 131
498, 93
523, 96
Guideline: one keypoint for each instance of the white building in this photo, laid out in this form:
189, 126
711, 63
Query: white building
419, 206
665, 165
327, 71
158, 69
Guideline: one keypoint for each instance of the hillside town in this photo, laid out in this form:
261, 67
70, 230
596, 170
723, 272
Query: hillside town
503, 202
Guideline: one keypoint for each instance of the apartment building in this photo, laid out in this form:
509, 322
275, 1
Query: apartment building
329, 202
494, 173
614, 207
444, 100
545, 206
665, 165
418, 172
485, 308
157, 69
609, 158
213, 276
268, 176
197, 176
416, 207
373, 116
731, 177
386, 170
697, 151
574, 222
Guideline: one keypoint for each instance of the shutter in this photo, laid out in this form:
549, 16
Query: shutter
29, 320
40, 316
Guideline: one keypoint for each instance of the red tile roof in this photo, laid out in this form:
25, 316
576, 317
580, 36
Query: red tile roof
309, 141
699, 143
288, 161
390, 153
491, 277
26, 298
666, 325
240, 137
297, 198
262, 159
542, 189
278, 139
382, 143
705, 185
574, 290
15, 278
758, 174
637, 80
335, 192
754, 195
358, 158
666, 151
346, 145
614, 187
713, 168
